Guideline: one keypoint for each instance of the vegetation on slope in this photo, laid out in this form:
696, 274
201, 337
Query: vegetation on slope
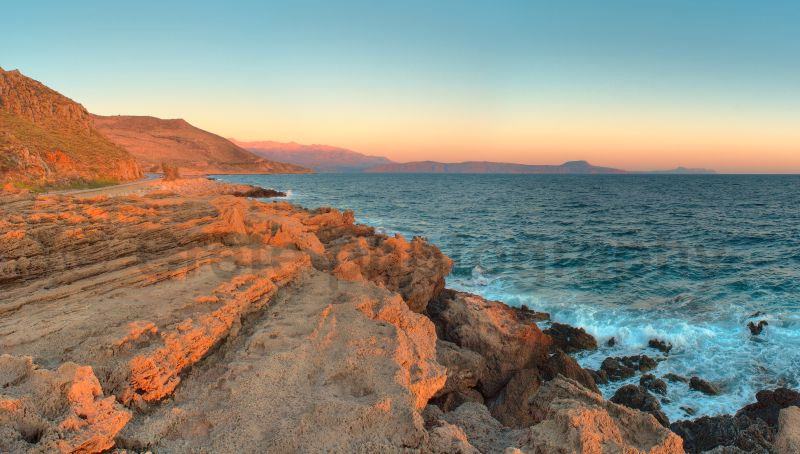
47, 140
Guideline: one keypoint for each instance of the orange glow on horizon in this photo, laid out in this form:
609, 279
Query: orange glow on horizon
629, 144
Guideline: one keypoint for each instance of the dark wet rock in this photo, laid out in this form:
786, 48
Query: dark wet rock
530, 315
559, 363
645, 362
616, 370
660, 345
713, 432
651, 383
755, 329
259, 193
769, 404
753, 429
620, 368
571, 339
600, 377
705, 387
637, 397
689, 410
675, 378
612, 342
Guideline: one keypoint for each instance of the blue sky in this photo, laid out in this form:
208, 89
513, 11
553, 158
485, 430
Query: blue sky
630, 83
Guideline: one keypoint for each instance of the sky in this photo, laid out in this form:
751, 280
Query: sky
639, 85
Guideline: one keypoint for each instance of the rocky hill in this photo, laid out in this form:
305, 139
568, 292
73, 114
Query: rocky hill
321, 158
47, 139
195, 151
572, 167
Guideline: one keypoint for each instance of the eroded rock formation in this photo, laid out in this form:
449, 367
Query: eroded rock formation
62, 410
182, 316
185, 301
500, 334
569, 419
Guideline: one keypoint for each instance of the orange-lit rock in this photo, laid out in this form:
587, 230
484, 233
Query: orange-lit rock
570, 419
497, 332
201, 311
416, 270
55, 411
416, 346
155, 374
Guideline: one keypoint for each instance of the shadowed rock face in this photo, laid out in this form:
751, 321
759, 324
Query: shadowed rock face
752, 429
706, 433
568, 418
48, 139
571, 339
559, 363
769, 404
637, 397
494, 331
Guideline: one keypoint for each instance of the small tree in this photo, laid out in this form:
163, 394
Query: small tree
170, 171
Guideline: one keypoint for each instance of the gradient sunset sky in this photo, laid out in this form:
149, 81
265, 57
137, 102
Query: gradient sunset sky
631, 84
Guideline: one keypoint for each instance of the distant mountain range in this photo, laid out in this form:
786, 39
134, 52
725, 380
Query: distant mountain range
326, 158
320, 158
176, 142
571, 167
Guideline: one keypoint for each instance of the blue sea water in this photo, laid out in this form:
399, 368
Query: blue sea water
683, 258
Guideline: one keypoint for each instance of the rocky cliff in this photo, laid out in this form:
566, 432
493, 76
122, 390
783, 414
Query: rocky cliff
48, 139
176, 142
183, 317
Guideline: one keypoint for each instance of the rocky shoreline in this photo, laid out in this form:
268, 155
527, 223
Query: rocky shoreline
185, 316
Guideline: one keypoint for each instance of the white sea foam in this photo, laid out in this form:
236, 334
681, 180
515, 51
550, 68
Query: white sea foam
723, 351
479, 277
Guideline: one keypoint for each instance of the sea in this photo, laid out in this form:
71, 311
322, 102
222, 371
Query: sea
687, 259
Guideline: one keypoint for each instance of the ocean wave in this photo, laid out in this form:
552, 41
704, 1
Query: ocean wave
723, 351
